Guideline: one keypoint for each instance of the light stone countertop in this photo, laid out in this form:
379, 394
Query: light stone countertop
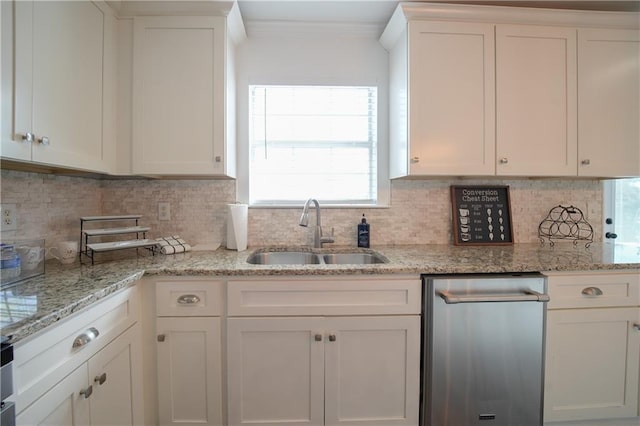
36, 303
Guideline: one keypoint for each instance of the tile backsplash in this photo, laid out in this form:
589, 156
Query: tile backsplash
49, 206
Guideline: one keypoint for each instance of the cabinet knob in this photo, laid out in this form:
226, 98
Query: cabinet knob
161, 337
28, 137
44, 140
592, 291
188, 299
415, 159
504, 160
318, 337
332, 337
637, 326
100, 379
85, 338
87, 392
585, 162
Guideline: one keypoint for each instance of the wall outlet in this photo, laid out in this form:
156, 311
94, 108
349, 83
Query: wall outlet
9, 220
164, 210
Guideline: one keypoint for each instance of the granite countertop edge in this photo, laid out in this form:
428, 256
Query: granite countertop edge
65, 290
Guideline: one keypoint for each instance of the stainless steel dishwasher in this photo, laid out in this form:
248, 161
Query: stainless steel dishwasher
483, 350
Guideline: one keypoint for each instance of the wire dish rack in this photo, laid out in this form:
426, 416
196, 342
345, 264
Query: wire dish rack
565, 223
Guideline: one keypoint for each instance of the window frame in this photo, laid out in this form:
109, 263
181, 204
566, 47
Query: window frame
383, 181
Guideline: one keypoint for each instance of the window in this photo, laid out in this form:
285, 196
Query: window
313, 141
622, 204
627, 210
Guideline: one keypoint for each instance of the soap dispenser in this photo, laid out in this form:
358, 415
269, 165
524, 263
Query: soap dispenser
363, 233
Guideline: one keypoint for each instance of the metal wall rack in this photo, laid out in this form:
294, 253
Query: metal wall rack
90, 249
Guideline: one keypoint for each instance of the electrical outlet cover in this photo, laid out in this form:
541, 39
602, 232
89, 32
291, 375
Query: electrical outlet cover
9, 220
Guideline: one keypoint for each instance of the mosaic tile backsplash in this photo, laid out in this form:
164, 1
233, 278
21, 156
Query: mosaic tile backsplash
49, 207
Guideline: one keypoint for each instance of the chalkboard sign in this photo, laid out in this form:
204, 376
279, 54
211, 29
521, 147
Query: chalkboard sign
481, 215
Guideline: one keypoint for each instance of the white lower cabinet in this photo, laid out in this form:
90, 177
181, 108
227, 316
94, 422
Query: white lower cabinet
189, 371
327, 368
62, 404
593, 347
189, 360
323, 371
86, 370
101, 391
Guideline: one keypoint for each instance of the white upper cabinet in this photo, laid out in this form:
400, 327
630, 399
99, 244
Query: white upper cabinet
608, 102
536, 101
182, 96
451, 81
506, 91
63, 78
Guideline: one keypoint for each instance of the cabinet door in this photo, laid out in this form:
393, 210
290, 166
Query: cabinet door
592, 363
452, 98
12, 145
178, 95
62, 404
114, 374
275, 370
608, 102
59, 65
189, 371
536, 101
372, 370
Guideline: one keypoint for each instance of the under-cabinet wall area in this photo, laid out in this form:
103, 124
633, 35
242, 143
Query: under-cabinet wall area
50, 206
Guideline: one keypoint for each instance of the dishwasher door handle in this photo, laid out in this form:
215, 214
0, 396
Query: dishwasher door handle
527, 296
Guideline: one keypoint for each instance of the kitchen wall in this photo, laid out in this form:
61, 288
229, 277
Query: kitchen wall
419, 210
50, 206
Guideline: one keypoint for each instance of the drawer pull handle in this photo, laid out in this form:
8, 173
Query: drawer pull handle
318, 337
592, 291
188, 299
87, 392
85, 337
100, 379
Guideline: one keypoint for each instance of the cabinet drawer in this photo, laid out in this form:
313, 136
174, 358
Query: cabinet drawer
594, 290
45, 359
188, 298
331, 296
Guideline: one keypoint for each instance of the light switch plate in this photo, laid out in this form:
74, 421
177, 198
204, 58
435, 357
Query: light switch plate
164, 210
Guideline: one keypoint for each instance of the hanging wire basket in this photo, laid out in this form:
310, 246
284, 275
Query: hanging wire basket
566, 224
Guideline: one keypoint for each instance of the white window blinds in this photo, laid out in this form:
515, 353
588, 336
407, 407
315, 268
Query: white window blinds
313, 141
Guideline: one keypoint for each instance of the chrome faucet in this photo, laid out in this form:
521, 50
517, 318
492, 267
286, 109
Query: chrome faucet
318, 239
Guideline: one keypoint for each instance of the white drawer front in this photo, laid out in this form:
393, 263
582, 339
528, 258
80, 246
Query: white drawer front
46, 358
188, 298
594, 290
299, 296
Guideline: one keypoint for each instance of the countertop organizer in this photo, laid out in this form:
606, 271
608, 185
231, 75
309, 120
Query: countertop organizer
90, 249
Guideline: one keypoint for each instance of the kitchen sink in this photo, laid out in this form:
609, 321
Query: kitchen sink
353, 258
284, 258
309, 258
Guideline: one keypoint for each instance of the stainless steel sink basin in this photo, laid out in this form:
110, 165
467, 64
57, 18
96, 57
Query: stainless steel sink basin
308, 258
283, 258
353, 258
